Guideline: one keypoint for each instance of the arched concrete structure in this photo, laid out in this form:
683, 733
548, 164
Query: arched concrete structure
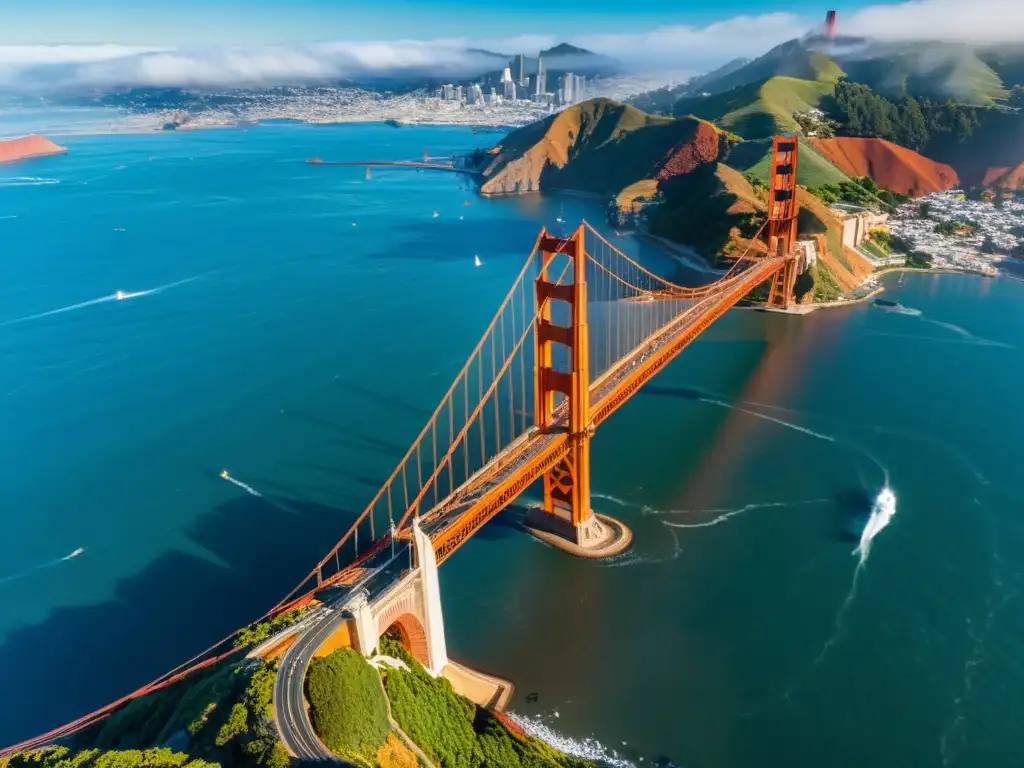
412, 635
412, 605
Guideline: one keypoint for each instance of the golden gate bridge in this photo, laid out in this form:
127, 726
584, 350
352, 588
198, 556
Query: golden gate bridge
581, 330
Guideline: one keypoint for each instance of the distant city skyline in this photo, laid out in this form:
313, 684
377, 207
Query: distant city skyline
261, 22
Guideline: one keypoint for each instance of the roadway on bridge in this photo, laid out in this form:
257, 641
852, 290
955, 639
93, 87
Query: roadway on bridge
289, 697
520, 460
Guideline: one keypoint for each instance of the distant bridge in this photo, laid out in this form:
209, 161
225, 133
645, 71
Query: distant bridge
428, 163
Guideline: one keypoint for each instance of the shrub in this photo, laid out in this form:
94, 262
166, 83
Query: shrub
347, 708
452, 730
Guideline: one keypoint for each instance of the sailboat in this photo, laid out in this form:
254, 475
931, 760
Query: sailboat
436, 214
477, 262
368, 174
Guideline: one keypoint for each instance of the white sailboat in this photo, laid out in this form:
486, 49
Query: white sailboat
477, 262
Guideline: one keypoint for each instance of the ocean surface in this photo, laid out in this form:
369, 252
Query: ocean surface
296, 324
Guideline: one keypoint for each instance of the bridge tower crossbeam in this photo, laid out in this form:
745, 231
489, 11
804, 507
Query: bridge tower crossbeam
783, 211
565, 510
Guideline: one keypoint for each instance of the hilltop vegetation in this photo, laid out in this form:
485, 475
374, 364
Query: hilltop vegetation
683, 179
218, 716
975, 141
62, 757
597, 146
455, 732
346, 705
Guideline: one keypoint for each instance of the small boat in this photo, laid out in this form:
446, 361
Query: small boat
368, 174
120, 295
477, 262
466, 204
886, 303
224, 474
436, 214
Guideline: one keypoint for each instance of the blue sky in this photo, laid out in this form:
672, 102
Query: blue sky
254, 22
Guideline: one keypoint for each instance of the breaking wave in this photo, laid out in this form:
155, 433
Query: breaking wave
586, 749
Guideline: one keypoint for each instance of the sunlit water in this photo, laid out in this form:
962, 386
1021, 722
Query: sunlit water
264, 335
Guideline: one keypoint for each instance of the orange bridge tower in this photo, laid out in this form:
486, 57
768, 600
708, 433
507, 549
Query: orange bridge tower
782, 218
565, 518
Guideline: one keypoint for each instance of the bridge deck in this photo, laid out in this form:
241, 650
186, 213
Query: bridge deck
511, 471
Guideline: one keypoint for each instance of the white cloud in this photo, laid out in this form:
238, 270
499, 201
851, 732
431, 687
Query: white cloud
675, 48
698, 48
951, 20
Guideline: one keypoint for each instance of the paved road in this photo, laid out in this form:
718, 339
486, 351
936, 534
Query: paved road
293, 724
385, 568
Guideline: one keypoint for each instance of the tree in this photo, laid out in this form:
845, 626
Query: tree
924, 210
988, 245
235, 725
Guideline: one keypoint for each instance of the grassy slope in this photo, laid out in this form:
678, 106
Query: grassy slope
813, 169
1007, 61
762, 107
598, 146
934, 70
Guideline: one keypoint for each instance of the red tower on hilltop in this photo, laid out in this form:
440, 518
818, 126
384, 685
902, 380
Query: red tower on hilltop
830, 25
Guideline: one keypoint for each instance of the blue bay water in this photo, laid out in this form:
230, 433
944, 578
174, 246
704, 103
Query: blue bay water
267, 335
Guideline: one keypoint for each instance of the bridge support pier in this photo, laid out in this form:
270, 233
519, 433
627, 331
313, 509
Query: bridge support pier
565, 519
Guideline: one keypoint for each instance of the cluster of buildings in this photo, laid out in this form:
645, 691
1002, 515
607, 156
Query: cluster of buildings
987, 229
517, 85
338, 105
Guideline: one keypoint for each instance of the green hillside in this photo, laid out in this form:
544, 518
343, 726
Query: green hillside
599, 146
759, 109
791, 60
754, 158
1007, 61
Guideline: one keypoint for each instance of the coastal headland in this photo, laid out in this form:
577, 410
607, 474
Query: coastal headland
27, 147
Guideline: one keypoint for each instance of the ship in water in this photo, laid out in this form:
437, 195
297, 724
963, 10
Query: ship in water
477, 262
368, 174
886, 303
120, 295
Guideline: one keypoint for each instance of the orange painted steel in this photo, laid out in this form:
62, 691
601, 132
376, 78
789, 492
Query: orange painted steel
783, 211
558, 443
567, 483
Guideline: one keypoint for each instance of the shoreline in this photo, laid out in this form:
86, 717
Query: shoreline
136, 130
684, 255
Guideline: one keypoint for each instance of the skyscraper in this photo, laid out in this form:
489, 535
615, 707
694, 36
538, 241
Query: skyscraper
519, 70
579, 90
541, 77
566, 92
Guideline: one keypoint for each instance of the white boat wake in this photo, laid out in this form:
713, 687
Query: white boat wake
247, 488
766, 417
881, 515
27, 181
42, 566
882, 512
116, 296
